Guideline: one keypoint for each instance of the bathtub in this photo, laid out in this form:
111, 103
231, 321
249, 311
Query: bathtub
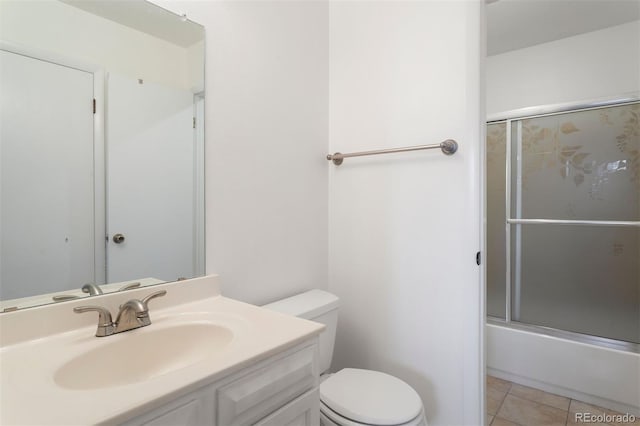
597, 375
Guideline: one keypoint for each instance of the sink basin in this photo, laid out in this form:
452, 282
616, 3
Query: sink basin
142, 354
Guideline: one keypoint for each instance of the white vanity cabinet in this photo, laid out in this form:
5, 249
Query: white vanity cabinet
278, 391
193, 409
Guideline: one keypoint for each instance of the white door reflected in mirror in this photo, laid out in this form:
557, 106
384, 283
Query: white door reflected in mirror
150, 180
47, 176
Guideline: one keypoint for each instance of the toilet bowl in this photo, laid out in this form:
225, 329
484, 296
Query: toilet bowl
352, 397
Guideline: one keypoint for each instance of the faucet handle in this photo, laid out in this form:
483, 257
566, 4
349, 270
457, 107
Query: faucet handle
105, 323
129, 286
64, 297
152, 296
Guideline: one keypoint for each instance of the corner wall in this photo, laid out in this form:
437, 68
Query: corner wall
404, 229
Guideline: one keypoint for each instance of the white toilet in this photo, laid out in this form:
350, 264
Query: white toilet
352, 397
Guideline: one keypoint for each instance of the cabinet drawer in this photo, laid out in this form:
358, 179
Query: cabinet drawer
252, 397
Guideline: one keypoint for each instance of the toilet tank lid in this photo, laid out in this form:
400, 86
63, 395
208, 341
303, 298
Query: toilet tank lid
308, 305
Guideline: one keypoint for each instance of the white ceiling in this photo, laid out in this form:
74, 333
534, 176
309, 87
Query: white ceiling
145, 17
516, 24
511, 24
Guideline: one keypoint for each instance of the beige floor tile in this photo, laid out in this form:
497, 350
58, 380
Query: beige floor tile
498, 421
510, 404
498, 384
496, 391
570, 422
542, 397
634, 423
493, 405
530, 413
494, 400
583, 407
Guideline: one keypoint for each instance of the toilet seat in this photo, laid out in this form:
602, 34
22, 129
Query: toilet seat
365, 397
330, 418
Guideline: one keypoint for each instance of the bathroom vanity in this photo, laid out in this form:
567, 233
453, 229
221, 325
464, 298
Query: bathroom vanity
204, 360
278, 391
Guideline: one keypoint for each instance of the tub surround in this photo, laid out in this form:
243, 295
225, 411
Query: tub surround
595, 375
37, 342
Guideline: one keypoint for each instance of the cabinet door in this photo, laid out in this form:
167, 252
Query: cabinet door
252, 396
304, 411
194, 409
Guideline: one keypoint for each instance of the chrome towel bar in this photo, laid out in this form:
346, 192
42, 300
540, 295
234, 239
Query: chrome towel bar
448, 147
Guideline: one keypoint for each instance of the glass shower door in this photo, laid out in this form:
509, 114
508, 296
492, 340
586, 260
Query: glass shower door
573, 205
496, 220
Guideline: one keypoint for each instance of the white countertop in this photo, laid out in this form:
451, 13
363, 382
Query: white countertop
30, 395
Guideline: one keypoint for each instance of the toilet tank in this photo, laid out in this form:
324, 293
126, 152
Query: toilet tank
315, 305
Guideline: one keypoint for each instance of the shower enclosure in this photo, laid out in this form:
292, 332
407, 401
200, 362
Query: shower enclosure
563, 224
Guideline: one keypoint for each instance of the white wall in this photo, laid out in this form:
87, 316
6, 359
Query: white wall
404, 229
266, 137
93, 40
588, 66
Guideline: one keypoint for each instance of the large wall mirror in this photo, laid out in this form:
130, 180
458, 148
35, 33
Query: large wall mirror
101, 149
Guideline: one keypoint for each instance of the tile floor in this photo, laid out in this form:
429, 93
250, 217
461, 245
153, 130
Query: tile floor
511, 404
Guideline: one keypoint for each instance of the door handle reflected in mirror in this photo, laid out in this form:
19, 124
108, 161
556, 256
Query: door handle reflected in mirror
118, 238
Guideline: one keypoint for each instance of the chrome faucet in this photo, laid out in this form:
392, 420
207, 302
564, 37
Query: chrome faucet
133, 314
92, 289
105, 324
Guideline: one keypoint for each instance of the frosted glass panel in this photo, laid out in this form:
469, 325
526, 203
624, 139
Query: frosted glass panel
569, 166
579, 278
496, 251
581, 165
